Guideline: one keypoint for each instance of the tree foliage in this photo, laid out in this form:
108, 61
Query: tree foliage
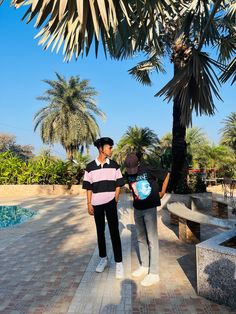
69, 117
8, 143
43, 169
135, 139
229, 131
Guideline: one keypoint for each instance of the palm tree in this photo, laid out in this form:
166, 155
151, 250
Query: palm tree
199, 24
140, 140
229, 131
68, 118
195, 140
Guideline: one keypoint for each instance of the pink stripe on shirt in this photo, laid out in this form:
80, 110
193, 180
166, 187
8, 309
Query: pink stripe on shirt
103, 174
102, 198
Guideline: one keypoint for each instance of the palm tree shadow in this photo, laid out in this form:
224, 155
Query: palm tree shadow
221, 282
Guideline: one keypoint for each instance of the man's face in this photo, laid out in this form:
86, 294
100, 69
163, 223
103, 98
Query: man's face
107, 150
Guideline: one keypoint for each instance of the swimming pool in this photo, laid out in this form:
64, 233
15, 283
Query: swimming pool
13, 215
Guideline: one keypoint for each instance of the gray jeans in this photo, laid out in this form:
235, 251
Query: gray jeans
146, 227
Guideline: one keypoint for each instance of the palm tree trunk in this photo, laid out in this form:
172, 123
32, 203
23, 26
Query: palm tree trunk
69, 154
179, 150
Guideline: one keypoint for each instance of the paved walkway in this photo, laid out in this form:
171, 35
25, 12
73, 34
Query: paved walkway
47, 265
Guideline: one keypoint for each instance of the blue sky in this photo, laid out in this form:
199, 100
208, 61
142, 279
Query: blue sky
24, 65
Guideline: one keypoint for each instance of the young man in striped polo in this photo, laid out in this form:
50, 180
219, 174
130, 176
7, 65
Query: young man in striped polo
102, 180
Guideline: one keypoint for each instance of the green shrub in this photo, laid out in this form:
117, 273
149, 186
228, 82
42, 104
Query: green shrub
43, 169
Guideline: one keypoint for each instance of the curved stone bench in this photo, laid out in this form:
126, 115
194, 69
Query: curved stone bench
190, 221
219, 207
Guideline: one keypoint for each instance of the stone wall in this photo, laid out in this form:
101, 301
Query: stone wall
32, 190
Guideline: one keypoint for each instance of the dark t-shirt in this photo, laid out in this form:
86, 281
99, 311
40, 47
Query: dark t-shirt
145, 186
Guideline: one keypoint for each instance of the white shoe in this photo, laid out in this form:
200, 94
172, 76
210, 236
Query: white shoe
140, 271
119, 270
150, 280
102, 265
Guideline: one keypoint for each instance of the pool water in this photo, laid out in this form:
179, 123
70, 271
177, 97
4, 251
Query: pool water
13, 215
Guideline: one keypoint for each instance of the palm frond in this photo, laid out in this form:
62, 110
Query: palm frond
143, 69
195, 15
193, 85
227, 48
78, 23
229, 72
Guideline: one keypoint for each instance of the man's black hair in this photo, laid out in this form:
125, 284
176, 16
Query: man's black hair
100, 142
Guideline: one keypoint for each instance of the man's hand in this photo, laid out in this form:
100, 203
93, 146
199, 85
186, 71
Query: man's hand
90, 209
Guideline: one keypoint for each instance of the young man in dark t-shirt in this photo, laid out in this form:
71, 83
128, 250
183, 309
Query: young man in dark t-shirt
143, 182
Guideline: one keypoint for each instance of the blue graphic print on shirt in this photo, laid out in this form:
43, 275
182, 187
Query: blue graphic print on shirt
141, 187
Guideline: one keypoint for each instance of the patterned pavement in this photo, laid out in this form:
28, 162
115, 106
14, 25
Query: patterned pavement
47, 265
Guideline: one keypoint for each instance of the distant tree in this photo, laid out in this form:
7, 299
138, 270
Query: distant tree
8, 143
216, 158
68, 118
229, 131
141, 140
195, 140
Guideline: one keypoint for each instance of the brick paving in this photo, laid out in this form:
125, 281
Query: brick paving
47, 265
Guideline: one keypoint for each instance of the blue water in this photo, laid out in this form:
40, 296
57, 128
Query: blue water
13, 215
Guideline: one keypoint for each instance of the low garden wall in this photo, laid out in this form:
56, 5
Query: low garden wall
216, 269
32, 190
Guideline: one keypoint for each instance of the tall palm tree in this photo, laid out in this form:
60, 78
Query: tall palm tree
229, 131
200, 24
68, 118
140, 140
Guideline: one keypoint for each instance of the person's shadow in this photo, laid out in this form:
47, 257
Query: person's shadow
128, 293
222, 282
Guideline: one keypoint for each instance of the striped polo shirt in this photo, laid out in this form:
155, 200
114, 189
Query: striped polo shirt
102, 180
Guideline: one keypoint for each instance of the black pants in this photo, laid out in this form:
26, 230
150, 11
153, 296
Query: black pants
110, 209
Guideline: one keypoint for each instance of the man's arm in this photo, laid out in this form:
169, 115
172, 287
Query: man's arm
164, 185
117, 193
119, 182
89, 199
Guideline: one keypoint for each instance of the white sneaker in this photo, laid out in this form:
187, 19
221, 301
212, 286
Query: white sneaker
102, 265
119, 270
150, 280
140, 271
